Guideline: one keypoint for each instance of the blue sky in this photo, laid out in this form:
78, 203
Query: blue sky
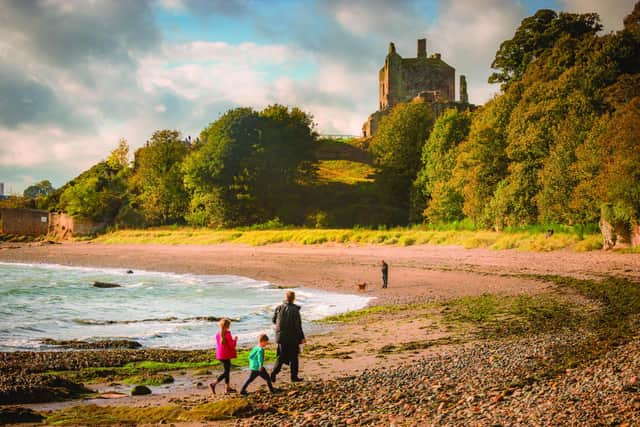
76, 76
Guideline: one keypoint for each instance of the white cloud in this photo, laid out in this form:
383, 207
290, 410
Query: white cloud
611, 12
468, 33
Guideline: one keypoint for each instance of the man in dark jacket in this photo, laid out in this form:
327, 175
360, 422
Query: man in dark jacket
385, 273
289, 336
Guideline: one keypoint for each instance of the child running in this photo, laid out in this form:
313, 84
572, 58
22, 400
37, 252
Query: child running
256, 360
225, 351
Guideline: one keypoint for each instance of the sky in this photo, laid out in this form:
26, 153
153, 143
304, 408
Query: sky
77, 76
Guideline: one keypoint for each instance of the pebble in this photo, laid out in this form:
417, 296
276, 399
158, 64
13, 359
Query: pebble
493, 383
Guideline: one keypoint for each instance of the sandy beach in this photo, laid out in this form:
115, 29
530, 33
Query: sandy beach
417, 274
425, 271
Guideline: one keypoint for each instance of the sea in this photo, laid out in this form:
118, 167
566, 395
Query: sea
156, 309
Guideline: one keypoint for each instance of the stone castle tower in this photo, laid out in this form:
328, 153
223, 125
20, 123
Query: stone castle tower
425, 77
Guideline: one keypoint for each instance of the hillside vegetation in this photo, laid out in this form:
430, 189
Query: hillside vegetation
558, 145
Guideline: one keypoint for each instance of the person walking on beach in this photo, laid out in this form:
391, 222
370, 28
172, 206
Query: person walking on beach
225, 351
385, 274
256, 362
289, 336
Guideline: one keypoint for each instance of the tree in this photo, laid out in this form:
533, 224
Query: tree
618, 180
482, 162
119, 157
396, 149
157, 181
42, 188
96, 194
439, 158
535, 35
247, 163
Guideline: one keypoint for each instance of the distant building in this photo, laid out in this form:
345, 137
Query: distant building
1, 189
427, 78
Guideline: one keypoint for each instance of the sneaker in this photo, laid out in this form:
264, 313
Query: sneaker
275, 390
230, 390
212, 387
297, 380
243, 392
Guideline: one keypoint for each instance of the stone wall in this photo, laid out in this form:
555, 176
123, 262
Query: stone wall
25, 222
34, 222
402, 79
63, 226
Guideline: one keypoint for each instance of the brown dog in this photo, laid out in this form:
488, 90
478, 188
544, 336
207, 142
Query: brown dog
362, 286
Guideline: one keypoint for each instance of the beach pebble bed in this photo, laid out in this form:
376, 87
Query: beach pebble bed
21, 379
505, 383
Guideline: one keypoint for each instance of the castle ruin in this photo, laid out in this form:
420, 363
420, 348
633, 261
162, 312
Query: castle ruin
424, 77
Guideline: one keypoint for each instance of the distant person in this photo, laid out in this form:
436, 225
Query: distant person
289, 336
385, 273
256, 362
225, 351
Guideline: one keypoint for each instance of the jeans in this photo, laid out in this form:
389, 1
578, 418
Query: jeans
255, 374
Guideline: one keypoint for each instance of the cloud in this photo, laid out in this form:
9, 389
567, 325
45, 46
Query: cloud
611, 12
101, 70
206, 7
468, 33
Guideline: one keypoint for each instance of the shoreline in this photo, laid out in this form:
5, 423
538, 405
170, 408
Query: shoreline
418, 275
415, 272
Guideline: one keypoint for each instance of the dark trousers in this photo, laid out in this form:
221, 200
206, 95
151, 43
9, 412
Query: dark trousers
287, 353
255, 374
385, 279
226, 364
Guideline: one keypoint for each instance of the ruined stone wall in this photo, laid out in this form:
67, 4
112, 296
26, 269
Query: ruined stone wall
24, 222
403, 79
427, 74
63, 226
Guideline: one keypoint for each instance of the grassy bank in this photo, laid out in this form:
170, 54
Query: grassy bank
150, 372
98, 415
527, 240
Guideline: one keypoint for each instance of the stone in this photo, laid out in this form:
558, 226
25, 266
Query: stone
105, 285
425, 78
15, 415
140, 390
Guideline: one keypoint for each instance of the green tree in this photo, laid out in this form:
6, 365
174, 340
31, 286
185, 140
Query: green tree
42, 188
247, 164
482, 161
157, 181
396, 149
119, 157
618, 180
96, 194
439, 158
534, 36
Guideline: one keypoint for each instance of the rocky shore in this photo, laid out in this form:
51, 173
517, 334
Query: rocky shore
507, 383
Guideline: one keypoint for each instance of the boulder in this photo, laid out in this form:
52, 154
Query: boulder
619, 234
140, 390
100, 344
16, 415
105, 285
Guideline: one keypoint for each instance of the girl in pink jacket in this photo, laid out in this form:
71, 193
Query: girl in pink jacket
225, 351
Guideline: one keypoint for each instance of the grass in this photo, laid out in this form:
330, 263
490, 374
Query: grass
149, 379
344, 171
495, 315
92, 415
148, 372
357, 315
520, 240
